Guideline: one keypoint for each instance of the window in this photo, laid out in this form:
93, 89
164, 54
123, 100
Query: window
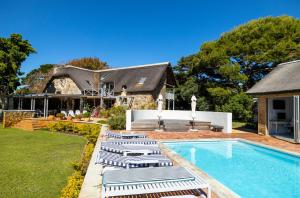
142, 80
278, 104
107, 89
88, 82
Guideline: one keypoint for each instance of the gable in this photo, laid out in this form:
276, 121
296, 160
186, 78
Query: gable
62, 85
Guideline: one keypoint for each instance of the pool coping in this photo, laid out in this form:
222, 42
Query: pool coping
218, 188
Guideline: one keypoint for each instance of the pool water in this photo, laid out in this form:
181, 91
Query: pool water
247, 169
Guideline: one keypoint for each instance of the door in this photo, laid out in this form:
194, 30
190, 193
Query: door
296, 119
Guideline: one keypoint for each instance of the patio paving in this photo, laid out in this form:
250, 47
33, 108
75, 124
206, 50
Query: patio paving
270, 141
267, 140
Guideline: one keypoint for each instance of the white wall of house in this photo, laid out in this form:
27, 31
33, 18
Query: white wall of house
216, 118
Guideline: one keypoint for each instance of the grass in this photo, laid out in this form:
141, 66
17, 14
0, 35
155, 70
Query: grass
236, 124
36, 164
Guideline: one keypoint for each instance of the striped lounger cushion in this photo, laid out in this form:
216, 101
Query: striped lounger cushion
114, 159
118, 148
133, 141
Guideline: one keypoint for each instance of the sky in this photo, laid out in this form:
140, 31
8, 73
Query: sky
127, 32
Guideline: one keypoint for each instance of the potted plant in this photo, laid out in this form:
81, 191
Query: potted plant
69, 118
60, 116
51, 117
78, 117
86, 116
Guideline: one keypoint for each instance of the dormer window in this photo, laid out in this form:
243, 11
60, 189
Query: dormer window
142, 80
88, 82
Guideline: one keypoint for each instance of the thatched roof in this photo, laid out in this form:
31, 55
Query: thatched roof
143, 78
284, 78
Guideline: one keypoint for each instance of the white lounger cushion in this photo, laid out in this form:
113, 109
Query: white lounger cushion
149, 184
111, 134
149, 175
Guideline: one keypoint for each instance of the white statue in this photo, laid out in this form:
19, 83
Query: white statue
124, 91
193, 104
159, 105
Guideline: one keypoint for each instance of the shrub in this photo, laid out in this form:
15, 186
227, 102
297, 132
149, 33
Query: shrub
117, 110
60, 127
104, 113
87, 107
72, 189
85, 160
86, 115
51, 126
150, 105
202, 104
90, 131
79, 116
240, 105
117, 122
102, 121
82, 129
60, 115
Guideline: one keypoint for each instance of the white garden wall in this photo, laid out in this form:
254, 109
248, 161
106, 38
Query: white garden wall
216, 118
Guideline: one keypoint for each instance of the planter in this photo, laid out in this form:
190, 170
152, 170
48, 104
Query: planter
86, 119
51, 117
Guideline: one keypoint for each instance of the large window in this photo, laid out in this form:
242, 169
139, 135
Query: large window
279, 104
107, 89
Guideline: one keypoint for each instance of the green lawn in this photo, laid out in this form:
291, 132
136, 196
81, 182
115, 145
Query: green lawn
236, 124
36, 164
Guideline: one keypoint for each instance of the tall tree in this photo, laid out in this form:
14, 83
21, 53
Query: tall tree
239, 58
13, 51
92, 63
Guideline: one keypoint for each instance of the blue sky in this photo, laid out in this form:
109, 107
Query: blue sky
127, 32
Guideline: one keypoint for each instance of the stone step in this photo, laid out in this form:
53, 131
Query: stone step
30, 124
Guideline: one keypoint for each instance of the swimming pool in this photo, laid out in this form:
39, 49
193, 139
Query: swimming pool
247, 169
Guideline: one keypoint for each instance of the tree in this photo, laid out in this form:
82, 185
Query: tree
233, 63
13, 51
92, 63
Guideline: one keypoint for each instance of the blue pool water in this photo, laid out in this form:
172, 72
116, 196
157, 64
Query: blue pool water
247, 169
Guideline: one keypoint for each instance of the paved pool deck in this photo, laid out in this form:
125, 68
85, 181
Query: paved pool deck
92, 182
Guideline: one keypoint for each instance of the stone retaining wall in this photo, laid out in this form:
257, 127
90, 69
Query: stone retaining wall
12, 117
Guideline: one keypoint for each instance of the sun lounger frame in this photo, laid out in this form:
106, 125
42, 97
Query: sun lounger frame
156, 187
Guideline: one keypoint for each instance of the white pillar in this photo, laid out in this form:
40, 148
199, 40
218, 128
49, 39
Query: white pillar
33, 107
128, 120
45, 107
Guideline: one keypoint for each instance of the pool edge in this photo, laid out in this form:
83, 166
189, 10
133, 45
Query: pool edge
217, 187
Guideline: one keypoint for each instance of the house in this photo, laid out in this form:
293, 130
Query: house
278, 102
70, 88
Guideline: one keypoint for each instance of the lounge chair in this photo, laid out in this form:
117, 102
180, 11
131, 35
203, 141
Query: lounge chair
65, 113
77, 112
71, 113
111, 134
113, 159
129, 149
150, 180
133, 141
